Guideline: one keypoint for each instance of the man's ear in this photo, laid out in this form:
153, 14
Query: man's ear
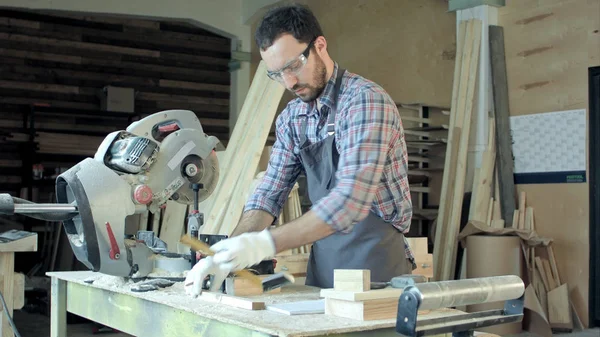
321, 44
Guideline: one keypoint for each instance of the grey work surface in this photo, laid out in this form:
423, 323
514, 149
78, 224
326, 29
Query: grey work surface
170, 312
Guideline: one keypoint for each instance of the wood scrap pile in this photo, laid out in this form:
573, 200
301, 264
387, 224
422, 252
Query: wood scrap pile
549, 295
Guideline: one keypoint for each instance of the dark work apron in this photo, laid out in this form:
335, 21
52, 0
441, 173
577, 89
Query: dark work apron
372, 244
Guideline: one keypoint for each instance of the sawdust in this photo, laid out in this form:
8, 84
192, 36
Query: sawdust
157, 273
109, 281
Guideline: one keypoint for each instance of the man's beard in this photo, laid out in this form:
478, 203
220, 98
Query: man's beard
313, 91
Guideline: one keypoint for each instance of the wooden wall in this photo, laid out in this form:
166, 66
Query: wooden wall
549, 46
65, 60
62, 62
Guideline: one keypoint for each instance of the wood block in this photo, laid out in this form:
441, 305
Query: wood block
559, 308
293, 264
418, 245
237, 286
352, 279
424, 265
385, 308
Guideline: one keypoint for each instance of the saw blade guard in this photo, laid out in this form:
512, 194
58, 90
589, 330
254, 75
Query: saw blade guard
162, 155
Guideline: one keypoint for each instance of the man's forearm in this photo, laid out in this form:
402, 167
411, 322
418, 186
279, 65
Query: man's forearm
304, 230
253, 221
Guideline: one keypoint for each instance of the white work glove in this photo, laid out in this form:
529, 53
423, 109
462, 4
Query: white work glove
244, 250
202, 269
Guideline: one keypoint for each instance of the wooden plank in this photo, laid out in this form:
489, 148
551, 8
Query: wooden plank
7, 266
243, 154
551, 280
351, 280
559, 309
504, 156
461, 167
452, 202
522, 203
364, 310
75, 44
193, 85
233, 301
553, 265
451, 152
385, 293
173, 224
482, 186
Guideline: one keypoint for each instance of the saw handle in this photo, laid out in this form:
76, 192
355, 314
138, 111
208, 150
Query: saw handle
202, 247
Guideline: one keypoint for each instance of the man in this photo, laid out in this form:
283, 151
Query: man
345, 133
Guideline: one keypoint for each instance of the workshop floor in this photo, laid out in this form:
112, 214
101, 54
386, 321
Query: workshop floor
37, 325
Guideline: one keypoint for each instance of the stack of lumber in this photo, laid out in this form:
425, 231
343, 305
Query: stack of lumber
455, 167
224, 207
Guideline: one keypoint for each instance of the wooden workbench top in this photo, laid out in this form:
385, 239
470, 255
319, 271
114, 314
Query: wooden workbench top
265, 321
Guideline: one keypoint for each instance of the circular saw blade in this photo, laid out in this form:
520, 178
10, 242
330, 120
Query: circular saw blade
210, 176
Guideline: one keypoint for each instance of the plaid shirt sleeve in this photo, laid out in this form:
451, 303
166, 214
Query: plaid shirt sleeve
367, 127
282, 172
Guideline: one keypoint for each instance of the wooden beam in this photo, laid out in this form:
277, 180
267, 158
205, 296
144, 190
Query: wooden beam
504, 156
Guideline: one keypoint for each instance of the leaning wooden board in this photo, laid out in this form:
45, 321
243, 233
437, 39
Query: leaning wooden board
262, 321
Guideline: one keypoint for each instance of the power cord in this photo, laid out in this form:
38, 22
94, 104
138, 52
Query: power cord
10, 320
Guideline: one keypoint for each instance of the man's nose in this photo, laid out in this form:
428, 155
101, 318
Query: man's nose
289, 81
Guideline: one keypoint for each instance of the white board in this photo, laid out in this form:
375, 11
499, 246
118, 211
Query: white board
549, 147
299, 308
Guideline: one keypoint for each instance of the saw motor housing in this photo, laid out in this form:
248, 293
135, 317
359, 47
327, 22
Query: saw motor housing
154, 160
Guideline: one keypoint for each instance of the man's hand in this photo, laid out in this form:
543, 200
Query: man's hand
202, 269
244, 250
231, 255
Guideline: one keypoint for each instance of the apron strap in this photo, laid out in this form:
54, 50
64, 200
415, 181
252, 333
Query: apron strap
331, 119
333, 112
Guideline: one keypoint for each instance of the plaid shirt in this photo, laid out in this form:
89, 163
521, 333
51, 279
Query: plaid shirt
372, 173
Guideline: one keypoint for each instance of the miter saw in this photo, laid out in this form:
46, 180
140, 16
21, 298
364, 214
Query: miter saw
165, 156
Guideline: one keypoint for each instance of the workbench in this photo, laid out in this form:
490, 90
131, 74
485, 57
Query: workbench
170, 312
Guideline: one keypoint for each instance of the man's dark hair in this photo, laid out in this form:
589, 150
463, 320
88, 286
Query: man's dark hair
296, 20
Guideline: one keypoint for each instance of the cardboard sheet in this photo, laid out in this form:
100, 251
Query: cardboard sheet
530, 238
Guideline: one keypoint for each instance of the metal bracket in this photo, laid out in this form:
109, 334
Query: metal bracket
459, 325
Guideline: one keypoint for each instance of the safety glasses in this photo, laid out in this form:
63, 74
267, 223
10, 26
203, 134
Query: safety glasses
294, 67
